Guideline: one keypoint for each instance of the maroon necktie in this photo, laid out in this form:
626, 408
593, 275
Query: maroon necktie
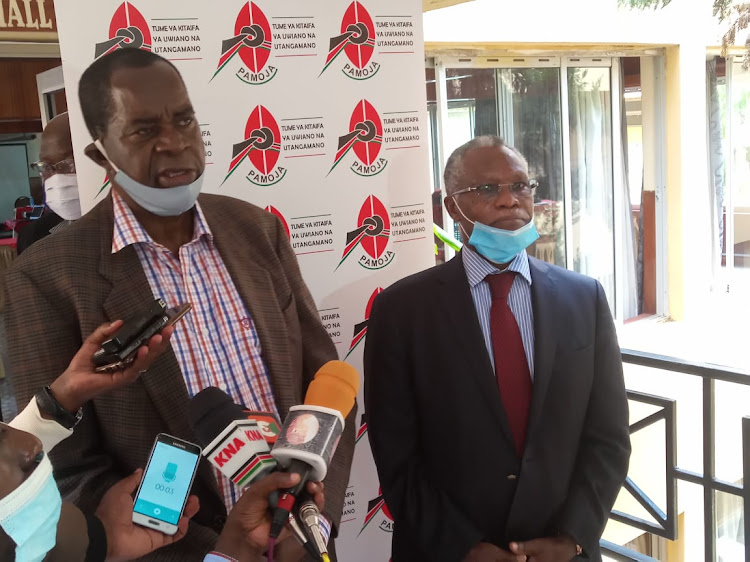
511, 366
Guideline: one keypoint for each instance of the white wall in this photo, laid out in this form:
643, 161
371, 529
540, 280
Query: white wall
576, 21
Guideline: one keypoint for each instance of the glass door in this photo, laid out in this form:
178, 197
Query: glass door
591, 190
564, 115
737, 210
530, 108
51, 88
517, 98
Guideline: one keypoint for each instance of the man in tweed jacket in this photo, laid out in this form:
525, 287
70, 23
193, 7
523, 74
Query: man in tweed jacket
65, 286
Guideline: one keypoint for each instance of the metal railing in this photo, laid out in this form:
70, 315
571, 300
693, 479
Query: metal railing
666, 522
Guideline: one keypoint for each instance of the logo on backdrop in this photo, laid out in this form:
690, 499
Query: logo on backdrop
357, 42
274, 211
262, 146
252, 40
365, 139
373, 234
362, 431
127, 30
360, 332
105, 184
378, 510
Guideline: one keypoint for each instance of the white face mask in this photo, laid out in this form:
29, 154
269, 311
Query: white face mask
163, 202
61, 195
29, 514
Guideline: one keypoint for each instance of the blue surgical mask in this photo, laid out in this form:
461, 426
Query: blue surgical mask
498, 245
165, 202
29, 514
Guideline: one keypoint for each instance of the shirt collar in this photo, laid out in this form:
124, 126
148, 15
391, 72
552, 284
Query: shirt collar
128, 231
477, 268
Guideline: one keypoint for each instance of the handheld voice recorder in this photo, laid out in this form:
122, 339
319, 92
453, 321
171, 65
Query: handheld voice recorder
166, 483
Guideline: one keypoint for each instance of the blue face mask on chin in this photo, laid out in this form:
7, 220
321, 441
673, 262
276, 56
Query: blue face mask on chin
30, 513
498, 245
165, 202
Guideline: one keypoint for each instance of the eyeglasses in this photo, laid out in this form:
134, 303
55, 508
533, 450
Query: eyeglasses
489, 191
45, 170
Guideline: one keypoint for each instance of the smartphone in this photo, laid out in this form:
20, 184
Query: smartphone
166, 483
121, 349
134, 326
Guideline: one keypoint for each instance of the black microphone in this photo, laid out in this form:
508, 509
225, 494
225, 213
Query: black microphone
231, 442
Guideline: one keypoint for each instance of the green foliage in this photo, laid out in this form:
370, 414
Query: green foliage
722, 8
643, 4
737, 15
739, 21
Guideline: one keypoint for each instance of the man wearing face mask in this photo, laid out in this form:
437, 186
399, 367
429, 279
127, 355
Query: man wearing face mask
57, 169
254, 330
521, 360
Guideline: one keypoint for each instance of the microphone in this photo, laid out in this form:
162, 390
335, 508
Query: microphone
237, 442
231, 442
301, 537
311, 432
309, 514
268, 423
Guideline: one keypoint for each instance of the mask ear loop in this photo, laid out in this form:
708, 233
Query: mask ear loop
98, 144
455, 202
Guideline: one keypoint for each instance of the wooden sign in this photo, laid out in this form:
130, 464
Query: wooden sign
27, 20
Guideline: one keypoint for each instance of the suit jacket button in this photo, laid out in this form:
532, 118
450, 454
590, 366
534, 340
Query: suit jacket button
512, 476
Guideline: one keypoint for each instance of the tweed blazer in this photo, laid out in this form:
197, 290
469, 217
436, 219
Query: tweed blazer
66, 285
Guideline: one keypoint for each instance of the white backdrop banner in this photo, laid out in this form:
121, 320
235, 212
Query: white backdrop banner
316, 112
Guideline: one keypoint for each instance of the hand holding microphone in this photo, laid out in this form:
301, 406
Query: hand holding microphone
246, 532
236, 445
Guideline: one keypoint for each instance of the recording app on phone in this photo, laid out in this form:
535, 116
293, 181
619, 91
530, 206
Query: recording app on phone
167, 481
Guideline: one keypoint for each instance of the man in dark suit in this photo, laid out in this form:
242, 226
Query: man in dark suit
494, 392
254, 330
57, 169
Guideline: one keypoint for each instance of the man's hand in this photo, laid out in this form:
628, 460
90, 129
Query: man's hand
80, 383
248, 525
125, 539
487, 552
551, 549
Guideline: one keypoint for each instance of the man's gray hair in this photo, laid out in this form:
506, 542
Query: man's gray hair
454, 167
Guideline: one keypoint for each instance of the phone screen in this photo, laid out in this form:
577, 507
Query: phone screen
167, 482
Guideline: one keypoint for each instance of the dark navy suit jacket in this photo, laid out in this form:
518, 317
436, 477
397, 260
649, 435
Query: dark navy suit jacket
439, 434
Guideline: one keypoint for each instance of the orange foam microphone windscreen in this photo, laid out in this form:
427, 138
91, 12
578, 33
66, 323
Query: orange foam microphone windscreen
335, 386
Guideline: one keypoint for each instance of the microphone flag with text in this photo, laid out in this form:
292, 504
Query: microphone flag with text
231, 442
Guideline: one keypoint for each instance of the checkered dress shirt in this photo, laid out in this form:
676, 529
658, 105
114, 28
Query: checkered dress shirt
216, 344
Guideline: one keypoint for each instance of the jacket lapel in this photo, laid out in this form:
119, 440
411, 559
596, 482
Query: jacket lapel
459, 305
256, 289
545, 338
130, 292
